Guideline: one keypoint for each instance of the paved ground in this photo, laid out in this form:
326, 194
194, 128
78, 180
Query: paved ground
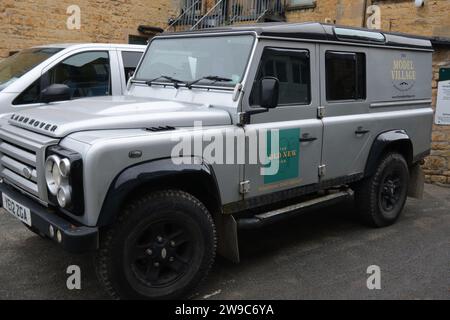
320, 255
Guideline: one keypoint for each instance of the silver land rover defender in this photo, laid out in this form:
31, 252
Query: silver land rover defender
157, 181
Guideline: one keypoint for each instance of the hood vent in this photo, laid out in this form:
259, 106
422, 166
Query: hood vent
158, 129
24, 120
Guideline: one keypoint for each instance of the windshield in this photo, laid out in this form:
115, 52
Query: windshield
193, 58
14, 67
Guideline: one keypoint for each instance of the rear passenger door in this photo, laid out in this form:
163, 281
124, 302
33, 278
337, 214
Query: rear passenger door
300, 132
348, 127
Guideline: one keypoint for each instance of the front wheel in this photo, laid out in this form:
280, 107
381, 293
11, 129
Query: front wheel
380, 198
161, 247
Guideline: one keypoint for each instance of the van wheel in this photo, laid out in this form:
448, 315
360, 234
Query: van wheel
161, 247
380, 198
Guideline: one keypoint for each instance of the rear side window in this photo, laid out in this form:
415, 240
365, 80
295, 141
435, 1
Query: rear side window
345, 76
292, 69
130, 62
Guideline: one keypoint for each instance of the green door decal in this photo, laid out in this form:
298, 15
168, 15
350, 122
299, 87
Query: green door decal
287, 155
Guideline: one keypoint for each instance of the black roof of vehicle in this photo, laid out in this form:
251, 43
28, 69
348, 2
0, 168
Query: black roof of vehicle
323, 32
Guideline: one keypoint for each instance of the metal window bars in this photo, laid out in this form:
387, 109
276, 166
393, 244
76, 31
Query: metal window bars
195, 14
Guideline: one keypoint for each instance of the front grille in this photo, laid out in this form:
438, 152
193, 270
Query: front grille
19, 166
22, 160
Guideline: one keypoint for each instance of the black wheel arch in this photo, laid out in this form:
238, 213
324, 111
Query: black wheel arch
394, 140
195, 177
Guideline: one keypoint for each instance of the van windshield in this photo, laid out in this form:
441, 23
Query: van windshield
193, 58
14, 67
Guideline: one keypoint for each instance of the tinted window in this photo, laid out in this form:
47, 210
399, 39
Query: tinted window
30, 95
292, 69
130, 62
87, 74
345, 76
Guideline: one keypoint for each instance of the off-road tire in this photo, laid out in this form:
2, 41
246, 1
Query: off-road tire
371, 203
120, 278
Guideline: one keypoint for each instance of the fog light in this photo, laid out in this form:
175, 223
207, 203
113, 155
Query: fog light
59, 236
63, 196
51, 231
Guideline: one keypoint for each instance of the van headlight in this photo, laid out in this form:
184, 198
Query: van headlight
64, 179
57, 172
64, 196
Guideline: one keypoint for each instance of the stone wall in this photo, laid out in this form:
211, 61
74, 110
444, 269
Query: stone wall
437, 165
396, 15
25, 23
343, 12
399, 16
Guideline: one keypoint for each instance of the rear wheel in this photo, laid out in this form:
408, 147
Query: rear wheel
380, 198
161, 247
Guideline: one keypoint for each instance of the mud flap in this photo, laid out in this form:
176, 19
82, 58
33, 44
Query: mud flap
416, 182
228, 246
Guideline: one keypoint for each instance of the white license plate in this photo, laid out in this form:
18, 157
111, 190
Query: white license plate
16, 209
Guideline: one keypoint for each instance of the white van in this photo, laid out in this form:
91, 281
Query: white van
87, 69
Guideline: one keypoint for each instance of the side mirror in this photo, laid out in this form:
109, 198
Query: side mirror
55, 92
269, 92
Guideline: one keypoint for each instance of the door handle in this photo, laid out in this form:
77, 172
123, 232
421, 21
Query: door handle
307, 138
361, 130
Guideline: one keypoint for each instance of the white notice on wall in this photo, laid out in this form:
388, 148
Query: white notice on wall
443, 103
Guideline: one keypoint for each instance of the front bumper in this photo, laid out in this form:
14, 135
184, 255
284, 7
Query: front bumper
75, 239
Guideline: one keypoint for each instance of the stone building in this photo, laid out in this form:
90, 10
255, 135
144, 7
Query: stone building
26, 23
430, 20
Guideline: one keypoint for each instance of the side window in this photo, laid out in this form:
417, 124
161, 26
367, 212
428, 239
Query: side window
130, 61
87, 74
30, 95
292, 69
345, 75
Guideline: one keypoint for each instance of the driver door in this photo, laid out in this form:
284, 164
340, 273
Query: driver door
87, 74
295, 118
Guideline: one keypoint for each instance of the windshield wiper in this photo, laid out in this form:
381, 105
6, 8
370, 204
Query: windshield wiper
175, 82
211, 78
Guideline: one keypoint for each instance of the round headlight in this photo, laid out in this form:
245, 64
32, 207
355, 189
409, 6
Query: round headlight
64, 167
53, 175
63, 196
